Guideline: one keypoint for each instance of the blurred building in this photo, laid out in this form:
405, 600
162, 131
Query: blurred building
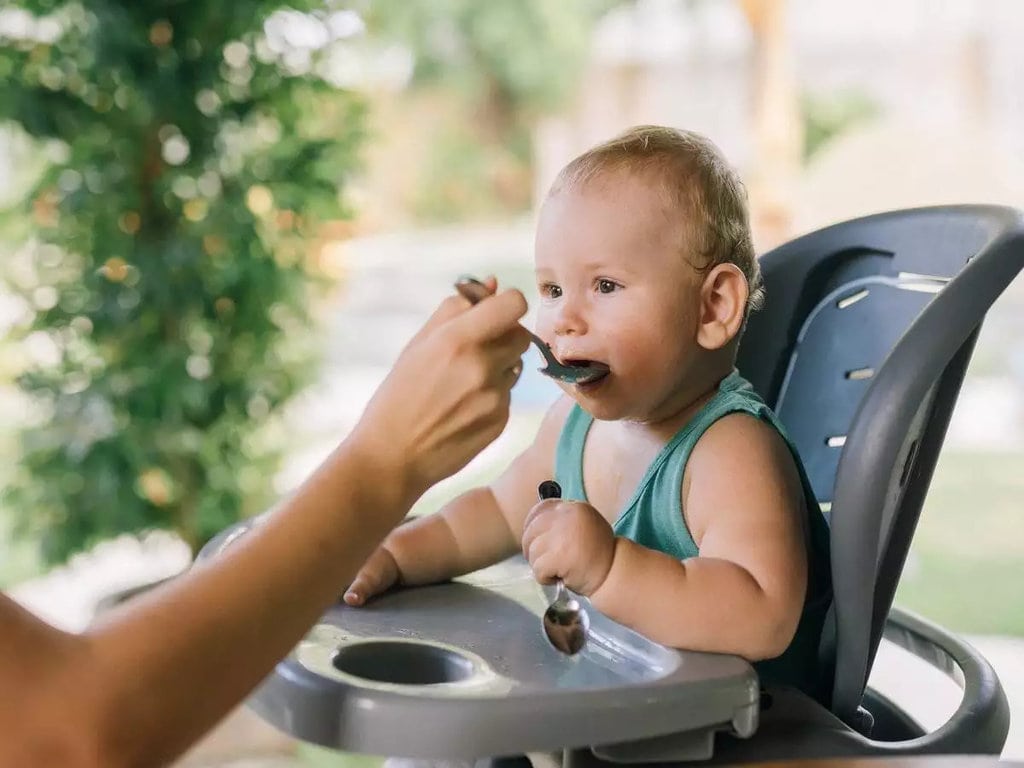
946, 80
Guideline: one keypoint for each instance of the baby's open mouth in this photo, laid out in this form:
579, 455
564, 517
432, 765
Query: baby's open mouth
585, 371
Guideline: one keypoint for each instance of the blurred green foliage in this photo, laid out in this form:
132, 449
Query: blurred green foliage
163, 253
964, 570
827, 116
503, 65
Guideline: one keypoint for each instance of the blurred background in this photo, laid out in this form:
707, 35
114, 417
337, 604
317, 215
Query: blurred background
217, 230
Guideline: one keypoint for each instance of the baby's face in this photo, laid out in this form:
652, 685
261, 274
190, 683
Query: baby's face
616, 288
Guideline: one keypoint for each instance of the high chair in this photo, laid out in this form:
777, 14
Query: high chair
861, 349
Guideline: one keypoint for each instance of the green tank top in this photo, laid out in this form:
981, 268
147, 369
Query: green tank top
653, 518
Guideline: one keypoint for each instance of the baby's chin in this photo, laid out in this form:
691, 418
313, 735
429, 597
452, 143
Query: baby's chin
602, 412
601, 408
607, 403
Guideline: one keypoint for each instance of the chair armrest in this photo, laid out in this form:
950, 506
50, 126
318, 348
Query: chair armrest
797, 727
981, 722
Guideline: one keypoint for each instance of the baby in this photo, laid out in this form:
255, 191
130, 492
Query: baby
678, 482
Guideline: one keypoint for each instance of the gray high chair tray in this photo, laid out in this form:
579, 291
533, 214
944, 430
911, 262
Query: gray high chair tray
462, 670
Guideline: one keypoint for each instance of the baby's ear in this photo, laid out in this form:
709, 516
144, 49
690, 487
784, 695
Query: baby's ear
723, 305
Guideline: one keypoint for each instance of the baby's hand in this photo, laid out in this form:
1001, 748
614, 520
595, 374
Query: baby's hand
569, 540
378, 574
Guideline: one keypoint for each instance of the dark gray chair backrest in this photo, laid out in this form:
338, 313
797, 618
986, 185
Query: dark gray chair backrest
861, 349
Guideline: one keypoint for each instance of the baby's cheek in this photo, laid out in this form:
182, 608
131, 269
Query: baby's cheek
632, 345
543, 326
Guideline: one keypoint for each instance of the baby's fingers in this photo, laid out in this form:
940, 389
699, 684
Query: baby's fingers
361, 588
545, 567
538, 521
373, 578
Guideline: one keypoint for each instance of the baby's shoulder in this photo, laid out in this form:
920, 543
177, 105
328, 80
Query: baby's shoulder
740, 468
553, 422
742, 443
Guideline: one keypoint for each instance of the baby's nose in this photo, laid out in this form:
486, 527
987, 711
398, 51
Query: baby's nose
569, 320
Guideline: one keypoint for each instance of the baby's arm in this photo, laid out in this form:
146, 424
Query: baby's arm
479, 528
744, 594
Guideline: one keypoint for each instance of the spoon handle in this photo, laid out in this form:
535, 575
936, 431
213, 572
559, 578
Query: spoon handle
560, 596
471, 289
549, 489
474, 291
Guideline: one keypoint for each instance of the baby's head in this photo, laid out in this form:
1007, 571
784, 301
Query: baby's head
645, 262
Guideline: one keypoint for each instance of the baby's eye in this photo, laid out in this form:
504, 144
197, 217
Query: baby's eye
606, 286
550, 291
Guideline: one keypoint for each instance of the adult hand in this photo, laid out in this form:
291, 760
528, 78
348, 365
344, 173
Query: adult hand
221, 627
447, 396
569, 540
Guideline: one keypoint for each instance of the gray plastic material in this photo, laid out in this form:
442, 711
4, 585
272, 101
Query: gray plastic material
818, 417
862, 348
796, 726
462, 670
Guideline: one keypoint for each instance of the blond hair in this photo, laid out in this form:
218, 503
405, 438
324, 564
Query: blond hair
699, 181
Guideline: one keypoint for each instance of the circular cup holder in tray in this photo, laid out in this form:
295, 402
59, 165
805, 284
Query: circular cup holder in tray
403, 663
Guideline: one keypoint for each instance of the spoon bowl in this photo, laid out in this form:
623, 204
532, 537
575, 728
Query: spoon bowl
566, 624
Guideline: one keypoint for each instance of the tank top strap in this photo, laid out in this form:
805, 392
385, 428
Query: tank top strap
735, 395
569, 453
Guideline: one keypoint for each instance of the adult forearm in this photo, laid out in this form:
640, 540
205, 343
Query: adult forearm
185, 654
701, 604
147, 681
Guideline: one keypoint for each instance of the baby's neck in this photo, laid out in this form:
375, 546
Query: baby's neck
675, 412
